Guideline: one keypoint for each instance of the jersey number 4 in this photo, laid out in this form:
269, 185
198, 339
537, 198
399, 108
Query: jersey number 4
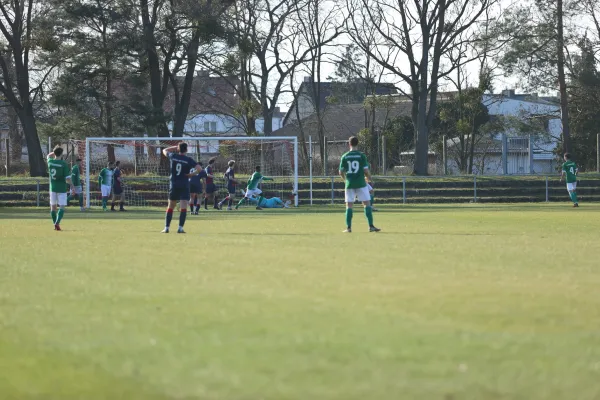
353, 167
572, 170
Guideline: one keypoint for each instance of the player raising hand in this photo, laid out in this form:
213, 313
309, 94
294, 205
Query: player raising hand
179, 185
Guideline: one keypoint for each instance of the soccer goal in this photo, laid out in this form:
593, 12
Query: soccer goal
145, 171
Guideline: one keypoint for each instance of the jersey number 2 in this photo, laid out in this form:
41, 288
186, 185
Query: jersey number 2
53, 173
353, 167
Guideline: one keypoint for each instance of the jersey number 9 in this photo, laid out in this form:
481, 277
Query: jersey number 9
178, 168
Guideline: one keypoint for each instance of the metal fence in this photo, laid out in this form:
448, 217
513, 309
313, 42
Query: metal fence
388, 189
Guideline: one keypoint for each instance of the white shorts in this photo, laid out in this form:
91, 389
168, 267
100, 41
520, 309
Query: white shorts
105, 189
369, 187
572, 186
252, 192
78, 190
59, 199
362, 194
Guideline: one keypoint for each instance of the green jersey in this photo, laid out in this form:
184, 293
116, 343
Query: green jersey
570, 168
354, 163
106, 177
75, 176
254, 180
59, 172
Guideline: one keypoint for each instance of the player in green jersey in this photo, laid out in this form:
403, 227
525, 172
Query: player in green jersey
77, 193
252, 189
105, 180
354, 167
569, 168
60, 175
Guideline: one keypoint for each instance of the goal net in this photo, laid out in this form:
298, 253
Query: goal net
145, 171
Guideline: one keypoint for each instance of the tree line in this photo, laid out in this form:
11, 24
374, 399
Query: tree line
77, 68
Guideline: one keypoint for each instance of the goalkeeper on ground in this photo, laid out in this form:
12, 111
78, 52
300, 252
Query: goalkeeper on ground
273, 202
252, 188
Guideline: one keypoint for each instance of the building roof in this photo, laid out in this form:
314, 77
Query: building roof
344, 120
210, 95
326, 89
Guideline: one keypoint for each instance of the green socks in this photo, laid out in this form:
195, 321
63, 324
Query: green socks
60, 214
349, 217
104, 202
369, 214
372, 199
80, 201
574, 197
53, 214
240, 202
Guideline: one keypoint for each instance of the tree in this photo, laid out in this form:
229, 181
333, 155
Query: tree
275, 37
95, 58
584, 103
535, 49
420, 33
22, 30
319, 27
172, 34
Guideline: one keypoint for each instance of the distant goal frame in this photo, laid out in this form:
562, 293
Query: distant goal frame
291, 139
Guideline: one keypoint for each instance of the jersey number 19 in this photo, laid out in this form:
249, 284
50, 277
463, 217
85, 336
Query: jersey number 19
353, 167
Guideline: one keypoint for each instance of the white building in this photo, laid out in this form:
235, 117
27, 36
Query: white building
521, 156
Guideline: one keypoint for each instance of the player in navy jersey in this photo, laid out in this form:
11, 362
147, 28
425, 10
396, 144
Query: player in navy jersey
118, 193
211, 188
197, 186
231, 183
182, 168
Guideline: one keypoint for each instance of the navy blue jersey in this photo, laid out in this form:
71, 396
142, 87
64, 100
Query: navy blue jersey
117, 178
209, 171
196, 179
229, 176
180, 168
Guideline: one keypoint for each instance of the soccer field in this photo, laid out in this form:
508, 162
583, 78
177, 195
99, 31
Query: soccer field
447, 302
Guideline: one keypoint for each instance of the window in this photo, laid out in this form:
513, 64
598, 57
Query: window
210, 126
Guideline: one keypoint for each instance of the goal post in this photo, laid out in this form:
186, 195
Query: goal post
146, 175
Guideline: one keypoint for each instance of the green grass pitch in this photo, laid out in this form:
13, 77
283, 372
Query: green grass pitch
448, 302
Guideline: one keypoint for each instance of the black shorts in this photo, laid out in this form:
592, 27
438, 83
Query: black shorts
211, 188
179, 193
195, 189
231, 189
117, 190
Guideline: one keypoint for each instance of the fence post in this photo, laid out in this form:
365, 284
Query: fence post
325, 156
332, 192
445, 153
531, 170
598, 153
135, 160
403, 190
7, 141
384, 160
504, 154
38, 192
547, 197
310, 172
49, 144
474, 188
